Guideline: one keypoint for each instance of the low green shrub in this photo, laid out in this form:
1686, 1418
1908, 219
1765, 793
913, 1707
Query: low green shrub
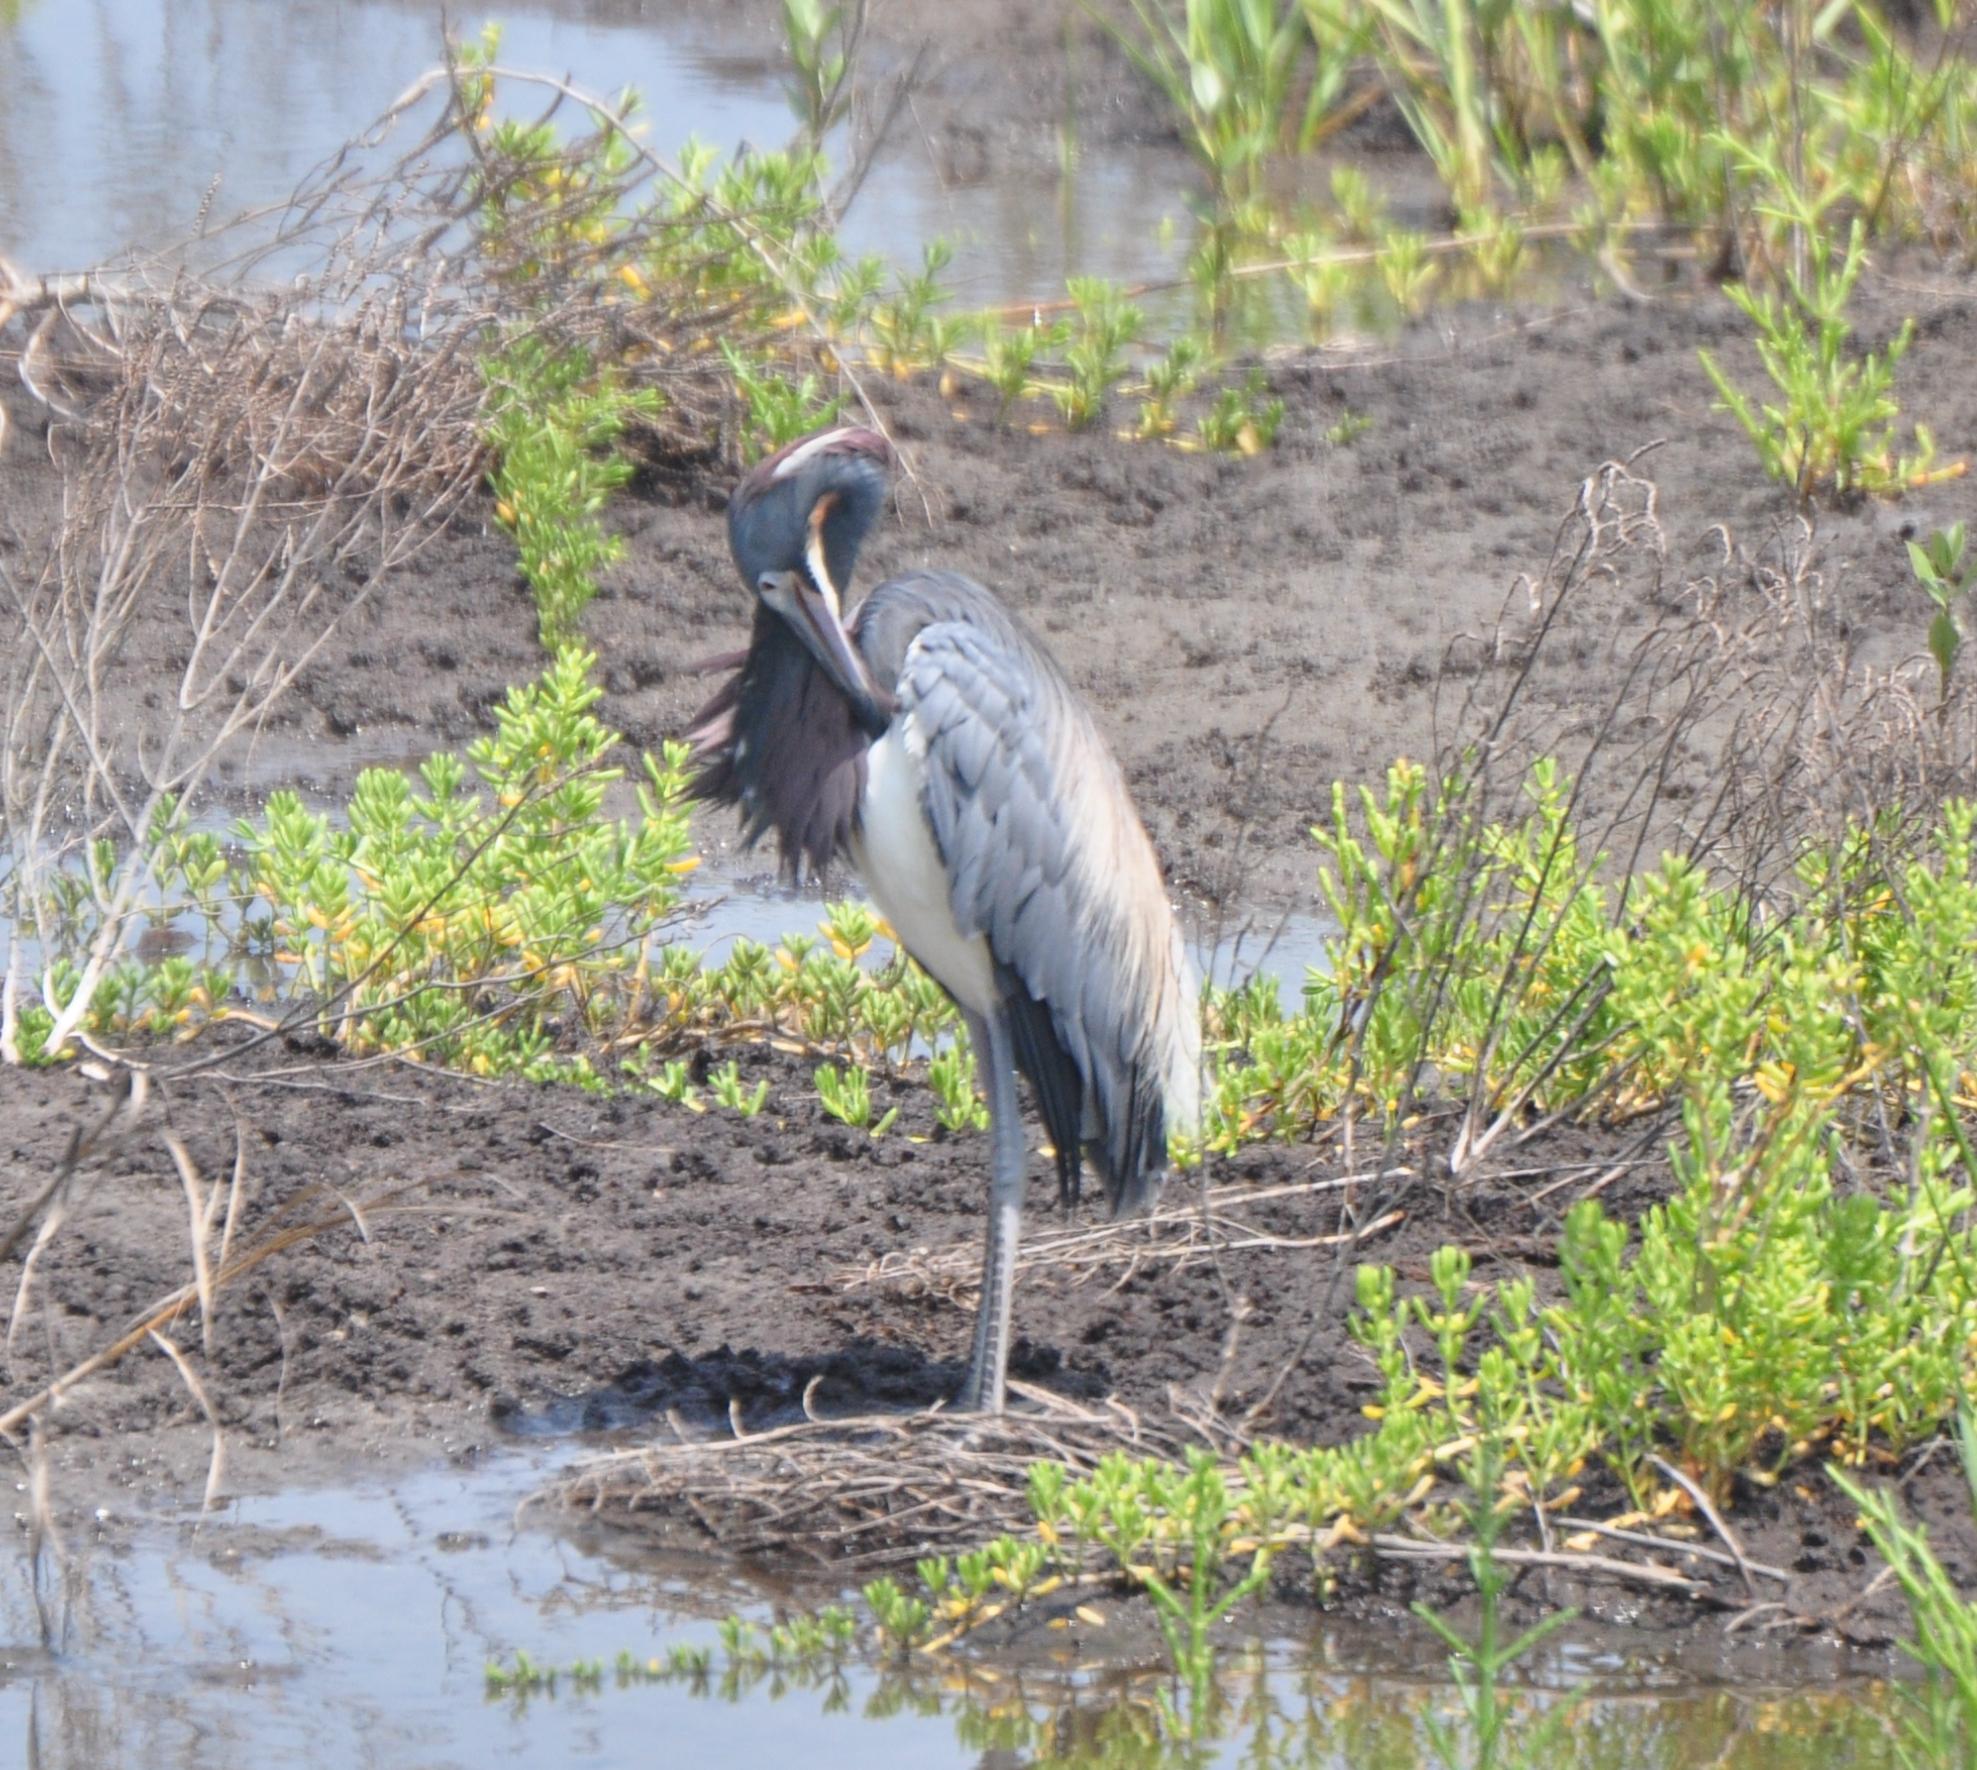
551, 425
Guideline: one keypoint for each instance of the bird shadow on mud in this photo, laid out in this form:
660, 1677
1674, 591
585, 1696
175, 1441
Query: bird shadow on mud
862, 1490
737, 1393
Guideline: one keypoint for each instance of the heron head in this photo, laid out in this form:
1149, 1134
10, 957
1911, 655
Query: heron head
794, 527
811, 503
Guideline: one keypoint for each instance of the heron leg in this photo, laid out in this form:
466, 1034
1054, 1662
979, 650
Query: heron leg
995, 1063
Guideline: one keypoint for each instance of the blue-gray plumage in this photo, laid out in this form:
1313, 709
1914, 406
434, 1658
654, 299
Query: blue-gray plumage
934, 742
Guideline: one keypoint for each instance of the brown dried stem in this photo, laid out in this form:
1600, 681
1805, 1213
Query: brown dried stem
869, 1490
279, 1238
1183, 1233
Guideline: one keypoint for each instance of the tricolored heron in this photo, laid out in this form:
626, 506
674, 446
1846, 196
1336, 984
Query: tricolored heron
933, 741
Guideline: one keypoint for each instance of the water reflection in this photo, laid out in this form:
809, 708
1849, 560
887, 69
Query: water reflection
354, 1625
1283, 1709
116, 116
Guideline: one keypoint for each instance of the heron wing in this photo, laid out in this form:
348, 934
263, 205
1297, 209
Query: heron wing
1048, 860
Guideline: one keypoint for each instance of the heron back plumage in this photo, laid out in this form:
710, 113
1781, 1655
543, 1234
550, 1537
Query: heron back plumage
1048, 862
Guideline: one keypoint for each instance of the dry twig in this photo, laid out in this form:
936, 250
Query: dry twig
866, 1491
1181, 1233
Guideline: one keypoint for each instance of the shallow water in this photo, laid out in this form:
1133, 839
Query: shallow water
736, 897
353, 1625
130, 108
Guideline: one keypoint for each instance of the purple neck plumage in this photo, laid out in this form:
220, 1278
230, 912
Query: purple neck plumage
780, 740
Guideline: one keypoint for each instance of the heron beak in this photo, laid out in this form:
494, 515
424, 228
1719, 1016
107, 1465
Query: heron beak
810, 607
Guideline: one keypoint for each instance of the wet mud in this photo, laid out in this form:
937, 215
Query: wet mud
487, 1262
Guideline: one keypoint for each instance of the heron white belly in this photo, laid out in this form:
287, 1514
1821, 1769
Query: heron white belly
893, 848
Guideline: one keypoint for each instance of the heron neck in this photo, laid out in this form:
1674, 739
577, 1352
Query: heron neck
796, 758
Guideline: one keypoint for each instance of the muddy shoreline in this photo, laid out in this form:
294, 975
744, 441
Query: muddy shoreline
495, 1263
